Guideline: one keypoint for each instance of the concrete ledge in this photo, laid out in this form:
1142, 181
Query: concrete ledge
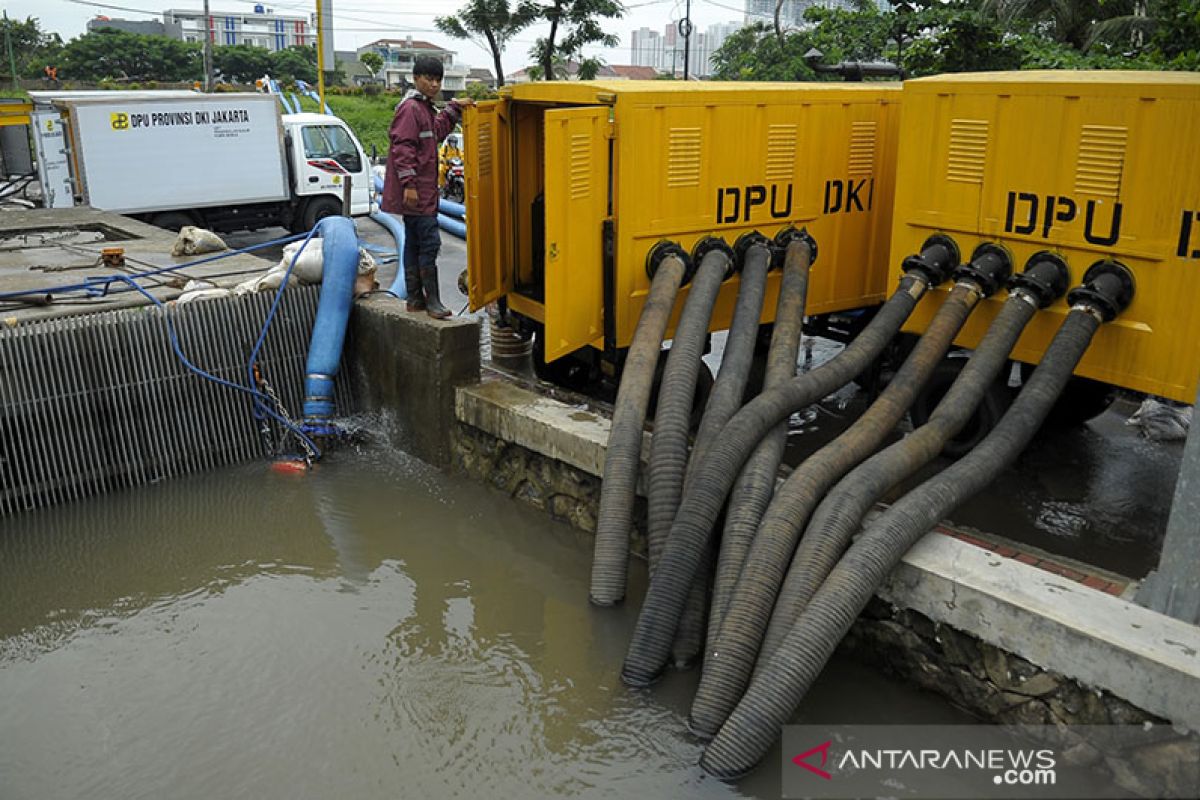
990, 604
407, 366
570, 434
1147, 658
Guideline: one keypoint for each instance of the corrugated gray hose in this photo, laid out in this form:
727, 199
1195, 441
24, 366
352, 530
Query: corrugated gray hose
676, 394
776, 692
659, 616
756, 483
842, 511
724, 401
610, 562
729, 665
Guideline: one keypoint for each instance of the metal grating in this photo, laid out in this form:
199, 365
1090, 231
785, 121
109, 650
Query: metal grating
683, 157
968, 150
580, 169
485, 149
781, 152
100, 402
862, 148
1101, 160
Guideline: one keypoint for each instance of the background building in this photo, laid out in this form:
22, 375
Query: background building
400, 54
791, 15
260, 28
665, 51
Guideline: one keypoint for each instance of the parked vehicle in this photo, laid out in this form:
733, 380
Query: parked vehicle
222, 161
453, 187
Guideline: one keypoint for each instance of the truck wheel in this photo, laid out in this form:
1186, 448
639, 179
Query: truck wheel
318, 209
996, 401
172, 220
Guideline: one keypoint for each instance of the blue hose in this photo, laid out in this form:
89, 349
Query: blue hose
378, 184
339, 270
452, 209
454, 227
398, 288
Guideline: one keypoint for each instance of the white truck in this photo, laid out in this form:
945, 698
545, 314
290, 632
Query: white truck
173, 158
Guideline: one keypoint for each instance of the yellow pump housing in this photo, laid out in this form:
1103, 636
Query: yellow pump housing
1088, 165
570, 184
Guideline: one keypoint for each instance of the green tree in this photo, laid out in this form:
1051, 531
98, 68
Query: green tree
493, 22
579, 23
297, 62
33, 49
1175, 41
372, 61
241, 63
113, 54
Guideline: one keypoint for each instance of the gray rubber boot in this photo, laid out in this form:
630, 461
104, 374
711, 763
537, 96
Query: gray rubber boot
433, 300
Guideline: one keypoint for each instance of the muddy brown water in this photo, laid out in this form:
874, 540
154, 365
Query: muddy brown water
374, 629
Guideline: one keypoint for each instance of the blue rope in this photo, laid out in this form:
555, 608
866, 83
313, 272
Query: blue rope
92, 285
258, 396
262, 335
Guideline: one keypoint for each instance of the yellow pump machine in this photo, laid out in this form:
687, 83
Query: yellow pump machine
1088, 165
570, 184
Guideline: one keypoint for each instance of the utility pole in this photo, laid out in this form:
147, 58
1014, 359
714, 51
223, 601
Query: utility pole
687, 36
320, 57
208, 36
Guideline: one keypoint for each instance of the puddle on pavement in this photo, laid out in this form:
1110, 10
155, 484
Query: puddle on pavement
374, 629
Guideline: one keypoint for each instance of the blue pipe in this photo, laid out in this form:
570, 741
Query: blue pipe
452, 209
455, 227
397, 289
339, 252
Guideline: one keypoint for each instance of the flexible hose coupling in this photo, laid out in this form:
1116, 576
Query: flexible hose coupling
784, 238
709, 244
990, 266
937, 259
1108, 288
1045, 278
747, 240
663, 250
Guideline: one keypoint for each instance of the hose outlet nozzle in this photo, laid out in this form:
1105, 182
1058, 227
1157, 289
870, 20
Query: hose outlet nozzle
989, 268
663, 250
937, 259
1108, 287
747, 240
785, 237
712, 244
1045, 278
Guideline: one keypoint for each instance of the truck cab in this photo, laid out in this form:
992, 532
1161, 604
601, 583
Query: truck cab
323, 154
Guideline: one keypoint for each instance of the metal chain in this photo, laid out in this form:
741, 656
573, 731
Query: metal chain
281, 409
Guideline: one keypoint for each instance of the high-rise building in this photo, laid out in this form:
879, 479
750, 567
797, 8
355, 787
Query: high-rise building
791, 14
666, 51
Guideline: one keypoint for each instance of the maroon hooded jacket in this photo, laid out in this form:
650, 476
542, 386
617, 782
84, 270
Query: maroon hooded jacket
413, 156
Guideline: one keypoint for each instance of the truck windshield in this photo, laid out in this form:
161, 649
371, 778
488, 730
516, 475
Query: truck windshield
331, 141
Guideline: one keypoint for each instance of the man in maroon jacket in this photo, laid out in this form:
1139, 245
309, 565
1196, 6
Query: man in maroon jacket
410, 187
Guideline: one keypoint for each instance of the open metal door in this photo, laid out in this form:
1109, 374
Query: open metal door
488, 171
577, 198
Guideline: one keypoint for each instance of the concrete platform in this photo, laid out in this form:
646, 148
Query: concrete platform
38, 251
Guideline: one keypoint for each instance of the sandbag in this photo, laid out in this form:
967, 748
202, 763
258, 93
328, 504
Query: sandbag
193, 241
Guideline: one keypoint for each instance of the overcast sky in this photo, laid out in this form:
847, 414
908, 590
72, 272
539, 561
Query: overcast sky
357, 22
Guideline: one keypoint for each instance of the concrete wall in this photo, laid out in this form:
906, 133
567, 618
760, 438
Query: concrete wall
405, 366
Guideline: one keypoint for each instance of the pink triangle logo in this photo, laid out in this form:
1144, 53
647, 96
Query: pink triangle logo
823, 749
